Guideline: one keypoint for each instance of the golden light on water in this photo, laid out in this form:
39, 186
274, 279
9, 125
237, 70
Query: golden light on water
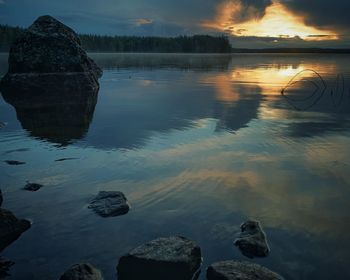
277, 22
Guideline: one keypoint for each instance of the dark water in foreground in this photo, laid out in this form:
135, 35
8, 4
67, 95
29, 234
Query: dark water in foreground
199, 144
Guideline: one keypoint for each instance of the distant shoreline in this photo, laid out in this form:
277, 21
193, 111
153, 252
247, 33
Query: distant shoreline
245, 51
195, 44
293, 50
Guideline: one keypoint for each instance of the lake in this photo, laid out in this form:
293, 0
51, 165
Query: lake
199, 144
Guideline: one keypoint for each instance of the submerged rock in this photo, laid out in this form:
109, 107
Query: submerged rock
252, 240
236, 270
14, 162
1, 198
5, 266
83, 271
10, 228
33, 187
49, 51
171, 258
65, 159
110, 203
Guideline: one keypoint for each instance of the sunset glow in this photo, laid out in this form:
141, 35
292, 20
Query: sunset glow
278, 22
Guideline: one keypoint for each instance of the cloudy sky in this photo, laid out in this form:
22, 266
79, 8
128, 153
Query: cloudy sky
248, 23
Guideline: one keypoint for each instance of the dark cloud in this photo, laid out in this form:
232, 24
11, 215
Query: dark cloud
323, 13
251, 9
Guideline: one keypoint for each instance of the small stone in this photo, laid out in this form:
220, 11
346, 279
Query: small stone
33, 187
83, 271
14, 162
110, 203
252, 240
64, 159
10, 228
236, 270
2, 125
171, 258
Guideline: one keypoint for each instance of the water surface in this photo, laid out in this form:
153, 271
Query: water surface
199, 144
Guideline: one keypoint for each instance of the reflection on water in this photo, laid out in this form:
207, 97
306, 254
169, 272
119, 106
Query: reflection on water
198, 143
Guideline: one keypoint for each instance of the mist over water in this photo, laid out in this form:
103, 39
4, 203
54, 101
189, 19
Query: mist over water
199, 144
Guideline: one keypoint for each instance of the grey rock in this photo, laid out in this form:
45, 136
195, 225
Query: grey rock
51, 82
83, 271
33, 187
236, 270
110, 203
46, 47
171, 258
14, 162
48, 66
252, 240
2, 125
10, 228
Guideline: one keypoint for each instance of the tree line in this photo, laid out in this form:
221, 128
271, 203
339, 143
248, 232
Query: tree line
98, 43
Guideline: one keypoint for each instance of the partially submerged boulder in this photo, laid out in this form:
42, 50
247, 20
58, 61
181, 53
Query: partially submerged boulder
83, 271
10, 228
110, 203
171, 258
49, 52
252, 240
51, 82
236, 270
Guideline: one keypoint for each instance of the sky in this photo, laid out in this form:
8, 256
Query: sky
248, 23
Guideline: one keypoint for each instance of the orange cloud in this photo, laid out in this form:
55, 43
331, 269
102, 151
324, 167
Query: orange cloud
143, 21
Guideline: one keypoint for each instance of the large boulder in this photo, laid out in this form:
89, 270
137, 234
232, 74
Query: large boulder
10, 228
47, 48
252, 240
171, 258
51, 82
236, 270
47, 65
110, 203
83, 271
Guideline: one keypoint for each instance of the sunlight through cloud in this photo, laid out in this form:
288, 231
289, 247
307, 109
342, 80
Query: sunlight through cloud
277, 21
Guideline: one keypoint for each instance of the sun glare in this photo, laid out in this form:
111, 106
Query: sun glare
278, 22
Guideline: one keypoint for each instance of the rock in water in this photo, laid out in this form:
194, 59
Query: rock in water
84, 271
235, 270
172, 258
14, 162
110, 203
49, 51
1, 199
5, 266
252, 240
33, 187
51, 82
10, 228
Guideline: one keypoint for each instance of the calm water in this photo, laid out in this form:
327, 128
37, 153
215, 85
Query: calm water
199, 144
